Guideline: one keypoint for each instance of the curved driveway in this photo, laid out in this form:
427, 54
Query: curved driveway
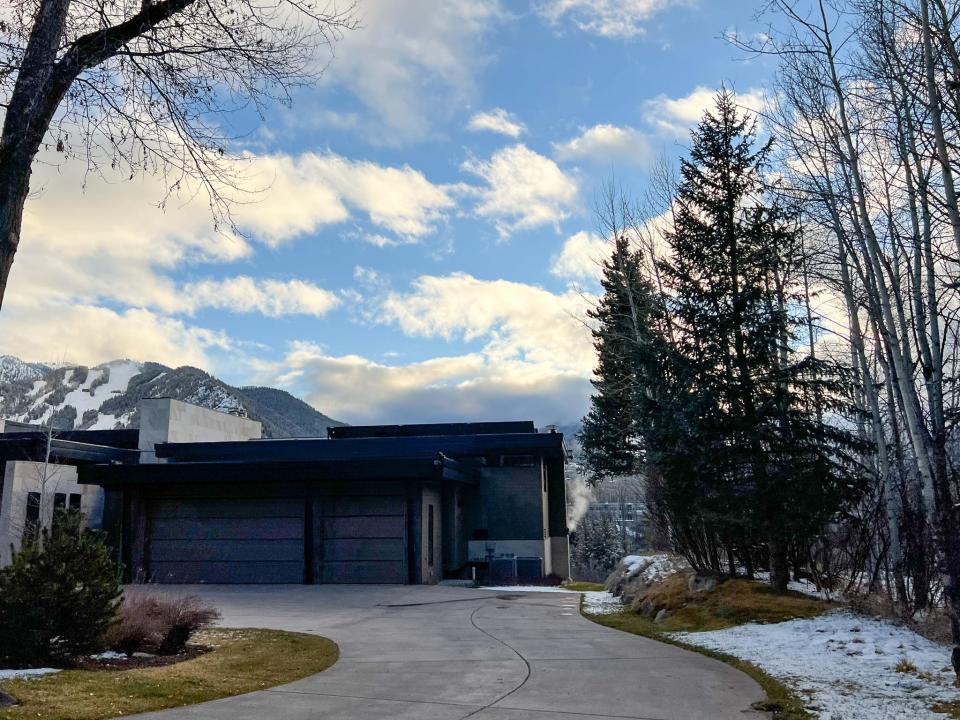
444, 653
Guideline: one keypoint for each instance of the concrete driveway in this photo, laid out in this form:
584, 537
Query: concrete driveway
443, 653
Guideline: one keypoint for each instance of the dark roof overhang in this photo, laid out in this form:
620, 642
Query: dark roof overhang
346, 432
128, 439
366, 449
438, 468
32, 447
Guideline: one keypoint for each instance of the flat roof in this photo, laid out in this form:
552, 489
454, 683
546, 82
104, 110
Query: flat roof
439, 468
365, 448
427, 429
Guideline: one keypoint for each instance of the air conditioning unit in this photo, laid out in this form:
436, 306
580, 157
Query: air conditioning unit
503, 570
529, 569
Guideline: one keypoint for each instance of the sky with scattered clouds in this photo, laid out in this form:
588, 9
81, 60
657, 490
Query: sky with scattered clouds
423, 244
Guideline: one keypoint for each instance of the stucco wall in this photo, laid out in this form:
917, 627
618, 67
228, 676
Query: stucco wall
168, 420
21, 478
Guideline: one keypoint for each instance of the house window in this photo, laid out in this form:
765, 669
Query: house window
31, 525
430, 535
75, 499
59, 505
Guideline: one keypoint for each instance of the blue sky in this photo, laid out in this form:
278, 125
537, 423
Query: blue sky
422, 245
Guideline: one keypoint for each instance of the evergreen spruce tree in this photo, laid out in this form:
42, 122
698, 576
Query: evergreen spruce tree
622, 335
706, 387
773, 471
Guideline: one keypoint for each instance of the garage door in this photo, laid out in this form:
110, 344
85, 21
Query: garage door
226, 540
364, 539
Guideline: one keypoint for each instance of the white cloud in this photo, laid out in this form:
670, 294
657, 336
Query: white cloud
582, 257
498, 121
535, 360
524, 189
413, 62
676, 116
89, 334
69, 252
607, 18
455, 388
272, 298
606, 144
516, 321
305, 191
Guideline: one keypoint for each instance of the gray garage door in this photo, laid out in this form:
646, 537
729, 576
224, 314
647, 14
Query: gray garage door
364, 539
226, 540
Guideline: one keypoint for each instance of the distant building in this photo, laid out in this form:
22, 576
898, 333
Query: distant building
628, 517
195, 496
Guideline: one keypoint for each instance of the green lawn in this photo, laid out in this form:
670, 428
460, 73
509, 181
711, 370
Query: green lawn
242, 661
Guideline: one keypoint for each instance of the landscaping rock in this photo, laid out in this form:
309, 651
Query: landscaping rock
634, 575
664, 614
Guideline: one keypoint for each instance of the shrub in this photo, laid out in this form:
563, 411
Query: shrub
58, 596
158, 624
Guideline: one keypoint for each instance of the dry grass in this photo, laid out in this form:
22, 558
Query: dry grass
933, 623
905, 666
950, 709
242, 661
734, 602
582, 586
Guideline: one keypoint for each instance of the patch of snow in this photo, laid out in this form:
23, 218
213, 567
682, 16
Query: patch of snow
601, 602
653, 568
526, 588
27, 673
121, 372
110, 655
13, 369
844, 664
805, 587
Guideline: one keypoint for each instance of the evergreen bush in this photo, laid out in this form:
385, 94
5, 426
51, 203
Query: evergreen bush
58, 596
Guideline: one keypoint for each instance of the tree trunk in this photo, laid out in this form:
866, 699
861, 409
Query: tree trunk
14, 186
779, 567
37, 93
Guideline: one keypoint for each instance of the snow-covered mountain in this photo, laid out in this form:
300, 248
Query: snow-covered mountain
106, 396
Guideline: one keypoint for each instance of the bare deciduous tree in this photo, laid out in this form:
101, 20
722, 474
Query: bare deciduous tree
144, 86
867, 119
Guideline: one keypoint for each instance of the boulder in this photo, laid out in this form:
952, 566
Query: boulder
635, 574
702, 583
6, 700
662, 615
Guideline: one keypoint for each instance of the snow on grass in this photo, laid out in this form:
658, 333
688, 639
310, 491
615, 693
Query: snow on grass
601, 603
27, 673
804, 587
845, 665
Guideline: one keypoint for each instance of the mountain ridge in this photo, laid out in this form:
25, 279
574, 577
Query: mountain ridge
105, 396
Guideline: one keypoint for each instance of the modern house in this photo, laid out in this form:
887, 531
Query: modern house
34, 485
201, 499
